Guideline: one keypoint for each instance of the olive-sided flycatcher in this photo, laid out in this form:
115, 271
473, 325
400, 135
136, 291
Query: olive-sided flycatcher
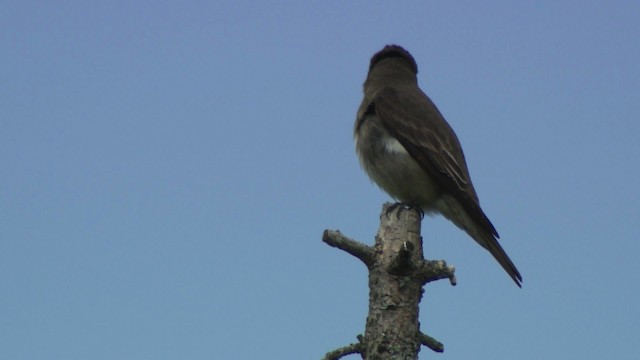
407, 148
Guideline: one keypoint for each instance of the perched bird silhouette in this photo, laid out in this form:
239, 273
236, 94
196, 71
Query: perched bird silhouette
406, 146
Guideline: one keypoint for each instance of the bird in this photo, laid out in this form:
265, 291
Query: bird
408, 149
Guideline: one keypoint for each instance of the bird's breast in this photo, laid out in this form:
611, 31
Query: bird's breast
390, 166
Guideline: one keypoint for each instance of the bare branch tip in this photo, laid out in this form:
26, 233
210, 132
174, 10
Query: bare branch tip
334, 238
430, 342
355, 348
452, 278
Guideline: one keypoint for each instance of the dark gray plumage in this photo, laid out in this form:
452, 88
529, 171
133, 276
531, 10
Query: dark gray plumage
407, 148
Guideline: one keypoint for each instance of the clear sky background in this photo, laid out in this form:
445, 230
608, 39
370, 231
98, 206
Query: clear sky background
167, 170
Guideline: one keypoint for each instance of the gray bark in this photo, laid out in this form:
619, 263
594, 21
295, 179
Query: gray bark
397, 272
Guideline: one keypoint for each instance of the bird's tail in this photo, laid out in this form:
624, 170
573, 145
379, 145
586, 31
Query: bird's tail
490, 243
486, 236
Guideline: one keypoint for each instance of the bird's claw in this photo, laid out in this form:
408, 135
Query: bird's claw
404, 206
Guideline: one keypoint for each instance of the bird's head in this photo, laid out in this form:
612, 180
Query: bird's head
393, 65
396, 55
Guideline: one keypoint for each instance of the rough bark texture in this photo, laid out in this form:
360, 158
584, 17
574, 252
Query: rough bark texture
397, 272
394, 296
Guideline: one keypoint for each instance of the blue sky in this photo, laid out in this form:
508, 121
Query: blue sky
168, 169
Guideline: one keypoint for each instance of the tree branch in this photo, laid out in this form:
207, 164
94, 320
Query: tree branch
334, 238
397, 273
401, 264
355, 348
430, 342
429, 271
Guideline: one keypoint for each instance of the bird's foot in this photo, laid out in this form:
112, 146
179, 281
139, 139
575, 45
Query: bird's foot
404, 206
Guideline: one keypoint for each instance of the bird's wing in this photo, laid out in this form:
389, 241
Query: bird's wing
413, 119
416, 122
